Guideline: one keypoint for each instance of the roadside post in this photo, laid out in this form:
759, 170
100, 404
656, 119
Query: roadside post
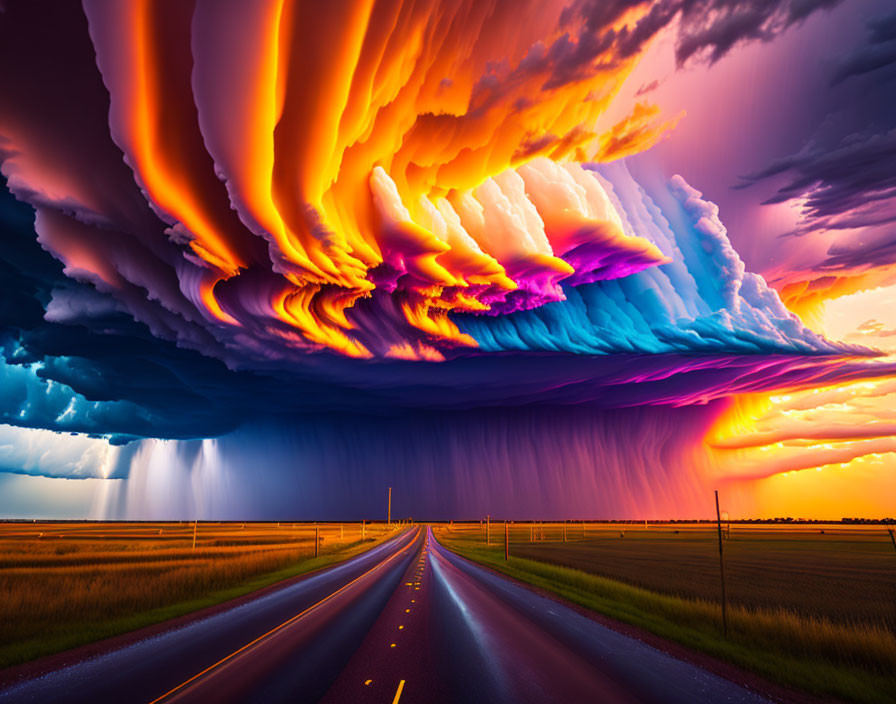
722, 569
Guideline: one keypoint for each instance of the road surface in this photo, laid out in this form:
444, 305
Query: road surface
406, 622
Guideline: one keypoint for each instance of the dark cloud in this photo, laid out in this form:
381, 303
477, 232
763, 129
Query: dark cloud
878, 53
855, 179
843, 177
707, 30
661, 14
648, 87
594, 41
598, 14
711, 28
847, 256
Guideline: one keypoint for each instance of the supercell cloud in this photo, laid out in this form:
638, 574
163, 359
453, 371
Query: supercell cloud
223, 212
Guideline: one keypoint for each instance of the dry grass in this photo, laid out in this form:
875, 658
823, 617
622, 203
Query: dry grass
809, 610
68, 583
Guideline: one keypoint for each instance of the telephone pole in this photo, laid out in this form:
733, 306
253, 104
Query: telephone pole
722, 569
389, 509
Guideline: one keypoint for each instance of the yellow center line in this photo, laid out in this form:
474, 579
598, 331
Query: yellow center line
398, 692
280, 627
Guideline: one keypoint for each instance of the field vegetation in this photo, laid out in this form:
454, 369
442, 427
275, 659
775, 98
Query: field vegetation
812, 608
66, 584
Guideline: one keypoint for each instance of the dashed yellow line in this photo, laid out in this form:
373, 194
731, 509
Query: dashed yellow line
276, 628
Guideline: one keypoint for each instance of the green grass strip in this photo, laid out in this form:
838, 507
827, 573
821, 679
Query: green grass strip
854, 663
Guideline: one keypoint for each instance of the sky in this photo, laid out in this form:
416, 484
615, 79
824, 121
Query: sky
537, 260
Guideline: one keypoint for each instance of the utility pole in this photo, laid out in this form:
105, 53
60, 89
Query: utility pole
389, 509
564, 530
892, 536
363, 528
342, 531
316, 540
195, 527
722, 569
488, 536
506, 542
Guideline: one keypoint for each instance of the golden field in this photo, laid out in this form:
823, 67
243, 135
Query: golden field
64, 584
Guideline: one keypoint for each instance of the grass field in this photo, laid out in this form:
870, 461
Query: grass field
66, 584
808, 609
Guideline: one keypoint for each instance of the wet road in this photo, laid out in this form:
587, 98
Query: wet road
318, 620
407, 622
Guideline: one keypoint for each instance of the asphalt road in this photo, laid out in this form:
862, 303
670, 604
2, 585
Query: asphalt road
326, 615
406, 622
